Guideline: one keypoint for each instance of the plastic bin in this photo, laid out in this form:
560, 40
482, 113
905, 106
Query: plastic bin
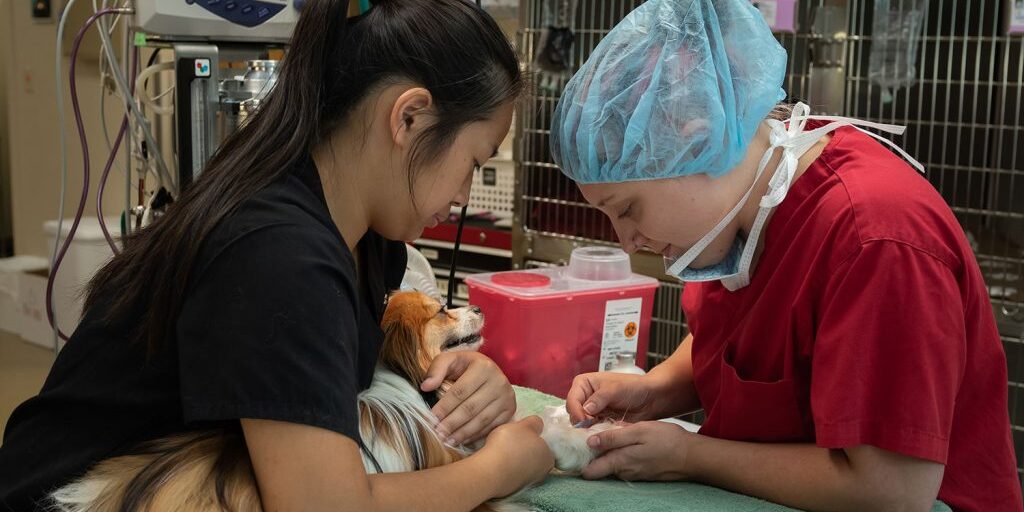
545, 326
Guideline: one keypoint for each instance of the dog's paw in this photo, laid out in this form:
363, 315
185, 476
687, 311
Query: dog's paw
568, 444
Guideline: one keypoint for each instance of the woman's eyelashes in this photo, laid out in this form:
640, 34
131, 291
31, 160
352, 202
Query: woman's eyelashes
626, 212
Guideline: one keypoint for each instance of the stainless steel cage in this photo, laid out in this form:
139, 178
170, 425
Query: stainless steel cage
964, 116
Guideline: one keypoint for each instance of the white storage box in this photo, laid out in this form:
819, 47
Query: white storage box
35, 326
88, 252
11, 269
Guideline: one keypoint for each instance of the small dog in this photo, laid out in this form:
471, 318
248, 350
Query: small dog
211, 470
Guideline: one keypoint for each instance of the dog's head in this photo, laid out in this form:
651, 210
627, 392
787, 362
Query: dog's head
418, 328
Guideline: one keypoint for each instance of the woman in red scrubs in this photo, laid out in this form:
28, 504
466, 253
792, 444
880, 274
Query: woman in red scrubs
842, 343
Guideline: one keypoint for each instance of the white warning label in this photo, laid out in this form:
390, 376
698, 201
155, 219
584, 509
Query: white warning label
621, 330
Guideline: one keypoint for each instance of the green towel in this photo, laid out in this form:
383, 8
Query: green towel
571, 494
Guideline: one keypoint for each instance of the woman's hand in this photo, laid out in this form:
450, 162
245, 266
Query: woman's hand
480, 399
517, 448
651, 450
666, 391
622, 397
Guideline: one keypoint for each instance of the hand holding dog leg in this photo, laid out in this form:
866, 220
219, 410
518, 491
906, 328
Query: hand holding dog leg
651, 450
480, 399
518, 449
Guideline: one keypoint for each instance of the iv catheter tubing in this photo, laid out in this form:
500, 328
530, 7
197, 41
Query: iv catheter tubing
103, 183
123, 168
144, 96
51, 279
136, 114
128, 149
140, 120
133, 57
63, 154
147, 133
103, 124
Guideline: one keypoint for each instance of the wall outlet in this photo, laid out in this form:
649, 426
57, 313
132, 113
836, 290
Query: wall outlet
45, 11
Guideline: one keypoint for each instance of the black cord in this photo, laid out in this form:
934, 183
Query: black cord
455, 253
458, 241
152, 59
369, 454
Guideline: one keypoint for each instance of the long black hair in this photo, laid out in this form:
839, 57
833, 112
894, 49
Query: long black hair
450, 47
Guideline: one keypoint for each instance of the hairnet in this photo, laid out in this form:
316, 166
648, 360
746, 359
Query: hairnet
677, 88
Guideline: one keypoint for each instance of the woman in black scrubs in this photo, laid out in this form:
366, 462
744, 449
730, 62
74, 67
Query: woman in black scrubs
254, 304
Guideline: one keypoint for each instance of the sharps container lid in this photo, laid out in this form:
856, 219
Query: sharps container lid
597, 263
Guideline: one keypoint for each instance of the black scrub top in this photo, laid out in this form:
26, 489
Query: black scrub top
275, 325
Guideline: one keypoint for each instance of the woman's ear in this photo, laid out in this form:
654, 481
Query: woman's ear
410, 115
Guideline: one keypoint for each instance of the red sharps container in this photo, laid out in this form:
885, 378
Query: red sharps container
545, 326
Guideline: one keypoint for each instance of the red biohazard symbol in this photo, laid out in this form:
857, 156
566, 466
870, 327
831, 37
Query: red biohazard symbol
630, 330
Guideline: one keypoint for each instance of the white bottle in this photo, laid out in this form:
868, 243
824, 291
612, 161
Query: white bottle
626, 363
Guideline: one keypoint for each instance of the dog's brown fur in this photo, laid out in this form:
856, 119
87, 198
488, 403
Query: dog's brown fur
211, 470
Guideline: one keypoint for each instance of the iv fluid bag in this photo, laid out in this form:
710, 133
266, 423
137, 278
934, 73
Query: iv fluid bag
895, 39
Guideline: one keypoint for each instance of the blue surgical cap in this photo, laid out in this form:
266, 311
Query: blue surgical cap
677, 88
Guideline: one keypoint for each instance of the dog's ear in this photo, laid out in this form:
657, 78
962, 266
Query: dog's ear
400, 352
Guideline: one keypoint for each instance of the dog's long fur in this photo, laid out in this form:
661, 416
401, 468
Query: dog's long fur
211, 470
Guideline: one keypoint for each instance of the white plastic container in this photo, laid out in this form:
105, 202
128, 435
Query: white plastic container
86, 254
12, 270
35, 326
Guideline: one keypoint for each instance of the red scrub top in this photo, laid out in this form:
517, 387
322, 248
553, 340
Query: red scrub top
867, 321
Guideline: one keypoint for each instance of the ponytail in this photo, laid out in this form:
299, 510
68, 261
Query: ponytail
451, 47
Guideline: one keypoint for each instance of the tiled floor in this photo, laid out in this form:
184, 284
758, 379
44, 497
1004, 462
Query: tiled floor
23, 368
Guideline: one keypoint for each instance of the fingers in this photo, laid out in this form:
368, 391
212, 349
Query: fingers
502, 419
482, 390
601, 467
578, 393
449, 365
622, 464
466, 398
616, 438
474, 428
534, 422
644, 451
598, 401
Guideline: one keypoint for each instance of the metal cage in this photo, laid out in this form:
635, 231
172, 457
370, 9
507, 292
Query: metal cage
964, 116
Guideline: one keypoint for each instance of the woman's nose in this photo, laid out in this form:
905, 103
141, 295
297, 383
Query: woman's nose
461, 199
635, 243
627, 239
640, 241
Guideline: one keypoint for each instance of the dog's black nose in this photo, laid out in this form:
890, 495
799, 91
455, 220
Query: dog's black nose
475, 309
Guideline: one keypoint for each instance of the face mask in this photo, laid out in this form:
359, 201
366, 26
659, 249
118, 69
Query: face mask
734, 269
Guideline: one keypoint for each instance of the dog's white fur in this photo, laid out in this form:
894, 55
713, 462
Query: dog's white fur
567, 443
402, 408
